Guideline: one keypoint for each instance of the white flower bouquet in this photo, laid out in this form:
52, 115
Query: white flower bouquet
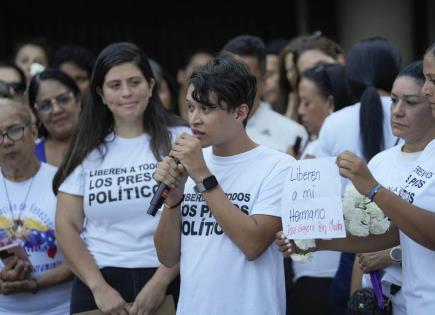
361, 215
304, 254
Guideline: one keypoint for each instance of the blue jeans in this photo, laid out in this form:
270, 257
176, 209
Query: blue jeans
128, 282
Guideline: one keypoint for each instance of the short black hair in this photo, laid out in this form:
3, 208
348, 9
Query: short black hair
41, 42
75, 54
248, 46
229, 79
275, 46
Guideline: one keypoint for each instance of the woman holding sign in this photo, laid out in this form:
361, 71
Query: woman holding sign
414, 217
321, 89
105, 185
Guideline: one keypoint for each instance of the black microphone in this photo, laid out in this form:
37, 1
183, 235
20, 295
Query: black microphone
297, 145
158, 198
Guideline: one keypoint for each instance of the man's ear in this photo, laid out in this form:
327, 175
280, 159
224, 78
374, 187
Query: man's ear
242, 112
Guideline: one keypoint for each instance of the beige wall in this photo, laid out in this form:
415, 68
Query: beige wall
393, 19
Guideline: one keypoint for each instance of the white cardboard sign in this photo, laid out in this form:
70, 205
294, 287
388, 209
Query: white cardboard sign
311, 204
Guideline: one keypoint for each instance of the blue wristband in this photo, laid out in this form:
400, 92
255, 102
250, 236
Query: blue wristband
374, 191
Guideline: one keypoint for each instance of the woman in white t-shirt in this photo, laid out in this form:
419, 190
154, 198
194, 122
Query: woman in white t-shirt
364, 128
411, 120
320, 90
412, 211
105, 186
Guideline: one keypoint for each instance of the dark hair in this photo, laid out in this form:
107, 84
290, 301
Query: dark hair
161, 75
37, 41
96, 120
330, 81
189, 53
35, 84
297, 46
413, 70
248, 46
229, 78
371, 64
431, 49
75, 54
275, 46
317, 42
21, 87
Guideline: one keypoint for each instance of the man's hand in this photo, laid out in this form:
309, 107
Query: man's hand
188, 150
174, 175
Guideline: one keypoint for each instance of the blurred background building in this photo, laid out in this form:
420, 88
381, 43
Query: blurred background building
168, 30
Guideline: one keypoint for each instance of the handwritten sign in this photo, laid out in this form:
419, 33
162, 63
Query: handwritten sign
311, 203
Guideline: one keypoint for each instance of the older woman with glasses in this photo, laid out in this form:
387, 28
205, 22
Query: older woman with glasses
27, 211
55, 100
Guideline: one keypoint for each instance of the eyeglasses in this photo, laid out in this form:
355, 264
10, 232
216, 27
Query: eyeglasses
63, 100
14, 133
8, 90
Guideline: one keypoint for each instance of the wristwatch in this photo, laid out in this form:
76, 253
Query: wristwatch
206, 185
396, 254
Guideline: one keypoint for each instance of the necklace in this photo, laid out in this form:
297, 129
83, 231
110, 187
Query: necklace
17, 223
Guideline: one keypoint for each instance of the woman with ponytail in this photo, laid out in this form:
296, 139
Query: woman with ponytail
364, 128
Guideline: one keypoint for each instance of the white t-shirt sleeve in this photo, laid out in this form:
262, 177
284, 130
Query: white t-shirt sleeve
74, 184
269, 197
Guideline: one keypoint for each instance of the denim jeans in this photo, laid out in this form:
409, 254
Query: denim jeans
128, 282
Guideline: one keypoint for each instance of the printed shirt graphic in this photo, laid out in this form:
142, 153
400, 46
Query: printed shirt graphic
216, 277
37, 236
418, 261
117, 191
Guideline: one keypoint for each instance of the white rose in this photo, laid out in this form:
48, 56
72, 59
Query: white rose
305, 244
379, 225
301, 258
36, 68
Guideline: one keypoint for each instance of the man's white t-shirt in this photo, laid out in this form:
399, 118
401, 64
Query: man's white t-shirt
418, 262
389, 168
216, 277
273, 130
341, 132
117, 191
38, 239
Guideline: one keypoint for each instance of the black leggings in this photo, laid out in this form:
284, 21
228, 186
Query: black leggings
311, 296
128, 282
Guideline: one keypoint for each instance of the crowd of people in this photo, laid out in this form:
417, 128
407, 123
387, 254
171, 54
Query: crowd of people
86, 142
